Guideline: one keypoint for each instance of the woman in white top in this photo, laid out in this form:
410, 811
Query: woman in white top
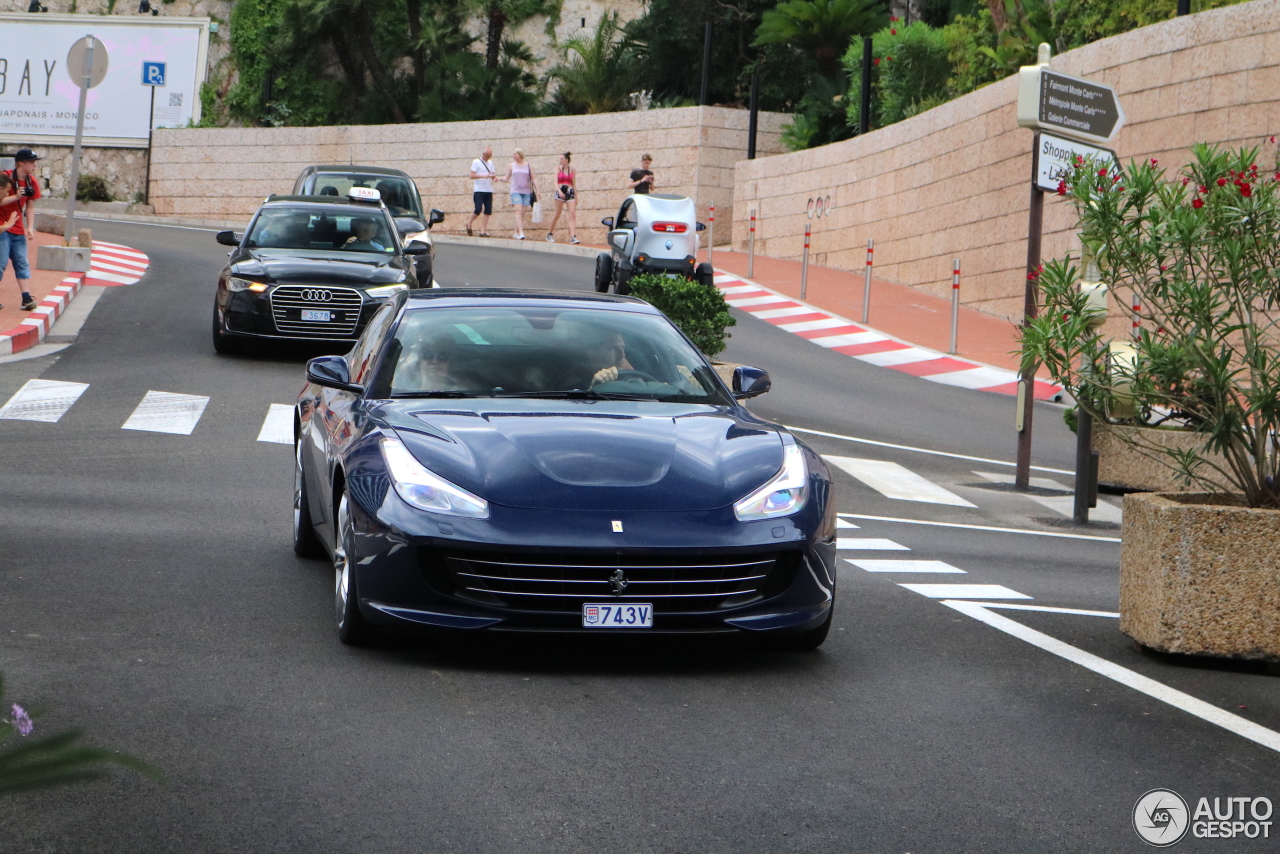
523, 186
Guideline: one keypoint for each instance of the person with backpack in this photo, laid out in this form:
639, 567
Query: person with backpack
16, 199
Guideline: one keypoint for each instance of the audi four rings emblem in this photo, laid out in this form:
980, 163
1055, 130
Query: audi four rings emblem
317, 296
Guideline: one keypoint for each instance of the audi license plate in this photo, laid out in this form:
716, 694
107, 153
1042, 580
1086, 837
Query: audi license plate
312, 314
633, 615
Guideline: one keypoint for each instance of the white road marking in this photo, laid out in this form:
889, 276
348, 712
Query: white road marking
841, 523
42, 400
166, 412
783, 312
95, 273
808, 325
975, 378
853, 544
1009, 606
1066, 505
879, 444
965, 591
123, 250
905, 356
278, 425
895, 481
116, 267
981, 528
743, 302
1040, 482
1157, 690
740, 289
935, 567
847, 339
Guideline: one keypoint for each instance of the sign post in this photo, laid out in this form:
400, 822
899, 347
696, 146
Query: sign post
1071, 116
87, 66
153, 76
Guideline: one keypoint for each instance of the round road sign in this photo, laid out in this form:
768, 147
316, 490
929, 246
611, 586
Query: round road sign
76, 60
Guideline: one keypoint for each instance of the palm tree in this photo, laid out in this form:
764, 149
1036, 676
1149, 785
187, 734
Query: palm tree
598, 71
821, 28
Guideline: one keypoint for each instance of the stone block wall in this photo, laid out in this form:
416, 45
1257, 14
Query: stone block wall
955, 181
224, 173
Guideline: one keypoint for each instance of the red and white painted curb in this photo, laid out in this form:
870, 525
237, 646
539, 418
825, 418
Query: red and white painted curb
111, 265
868, 345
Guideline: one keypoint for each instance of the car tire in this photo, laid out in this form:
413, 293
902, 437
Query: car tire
353, 629
224, 344
705, 274
622, 285
423, 273
305, 542
808, 640
604, 272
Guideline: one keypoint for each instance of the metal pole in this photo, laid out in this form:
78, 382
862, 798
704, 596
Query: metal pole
151, 123
706, 65
85, 85
804, 265
1137, 320
1084, 465
866, 282
711, 232
1184, 7
1026, 396
864, 113
751, 246
753, 116
955, 303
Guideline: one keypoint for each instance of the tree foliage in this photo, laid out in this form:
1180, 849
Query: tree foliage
699, 311
599, 71
821, 28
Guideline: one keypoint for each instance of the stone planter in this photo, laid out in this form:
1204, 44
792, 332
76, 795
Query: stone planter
1123, 467
1200, 577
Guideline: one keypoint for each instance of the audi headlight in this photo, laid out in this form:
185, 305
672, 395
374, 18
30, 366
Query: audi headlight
784, 494
235, 285
425, 490
386, 291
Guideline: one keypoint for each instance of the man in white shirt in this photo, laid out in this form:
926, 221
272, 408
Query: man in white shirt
482, 190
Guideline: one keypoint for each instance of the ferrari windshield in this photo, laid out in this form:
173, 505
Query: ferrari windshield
342, 229
537, 351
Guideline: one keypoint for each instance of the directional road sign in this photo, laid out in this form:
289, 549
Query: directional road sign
76, 60
153, 73
1071, 106
1055, 158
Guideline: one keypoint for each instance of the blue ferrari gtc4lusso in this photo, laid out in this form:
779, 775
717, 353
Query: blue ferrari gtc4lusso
507, 460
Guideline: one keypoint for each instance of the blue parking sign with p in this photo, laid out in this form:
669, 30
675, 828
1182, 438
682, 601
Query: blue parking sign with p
153, 73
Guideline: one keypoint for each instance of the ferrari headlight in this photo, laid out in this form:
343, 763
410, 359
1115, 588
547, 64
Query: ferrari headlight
386, 291
235, 285
783, 495
426, 490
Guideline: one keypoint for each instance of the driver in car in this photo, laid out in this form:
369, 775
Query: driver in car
611, 352
428, 367
362, 240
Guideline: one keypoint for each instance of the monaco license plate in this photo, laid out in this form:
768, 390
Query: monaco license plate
313, 314
612, 615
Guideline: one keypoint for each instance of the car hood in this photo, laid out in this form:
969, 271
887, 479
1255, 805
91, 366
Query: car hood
598, 455
318, 269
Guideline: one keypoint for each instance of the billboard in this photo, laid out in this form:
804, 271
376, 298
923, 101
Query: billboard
39, 101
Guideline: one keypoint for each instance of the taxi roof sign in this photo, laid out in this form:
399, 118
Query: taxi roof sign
364, 194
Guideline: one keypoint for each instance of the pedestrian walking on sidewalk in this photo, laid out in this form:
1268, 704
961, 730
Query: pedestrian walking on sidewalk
641, 180
566, 199
17, 198
482, 190
524, 188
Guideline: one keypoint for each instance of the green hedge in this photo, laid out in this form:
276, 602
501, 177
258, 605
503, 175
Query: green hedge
699, 311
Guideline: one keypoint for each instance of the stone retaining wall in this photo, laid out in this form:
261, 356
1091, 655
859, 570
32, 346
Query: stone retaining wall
224, 173
954, 181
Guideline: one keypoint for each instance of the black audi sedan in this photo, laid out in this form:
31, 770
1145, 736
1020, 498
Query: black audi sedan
312, 268
499, 460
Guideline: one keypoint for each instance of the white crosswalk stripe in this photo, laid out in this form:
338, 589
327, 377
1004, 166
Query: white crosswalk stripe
965, 591
1066, 506
935, 567
167, 412
854, 544
842, 523
42, 400
278, 425
1039, 482
896, 481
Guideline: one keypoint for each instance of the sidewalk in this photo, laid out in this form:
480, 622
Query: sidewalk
52, 289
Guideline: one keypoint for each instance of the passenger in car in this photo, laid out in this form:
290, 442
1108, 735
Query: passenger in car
364, 237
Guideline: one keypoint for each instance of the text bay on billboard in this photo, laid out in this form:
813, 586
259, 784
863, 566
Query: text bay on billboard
39, 101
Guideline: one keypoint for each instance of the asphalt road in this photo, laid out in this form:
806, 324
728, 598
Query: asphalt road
148, 593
